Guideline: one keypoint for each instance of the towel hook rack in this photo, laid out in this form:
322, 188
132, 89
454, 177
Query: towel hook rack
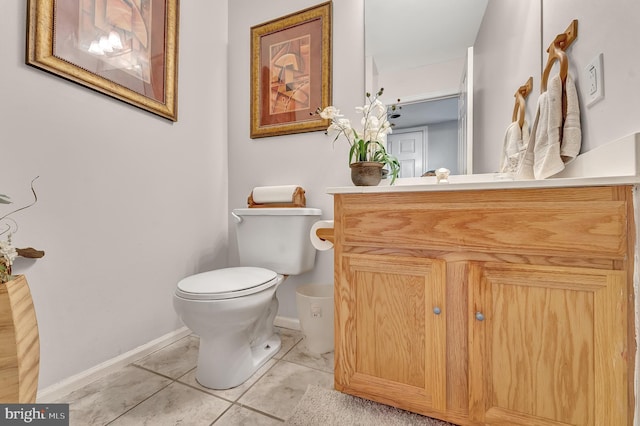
556, 52
519, 107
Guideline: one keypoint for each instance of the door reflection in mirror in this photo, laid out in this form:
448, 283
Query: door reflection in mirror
425, 136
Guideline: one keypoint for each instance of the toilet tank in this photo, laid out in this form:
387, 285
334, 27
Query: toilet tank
276, 238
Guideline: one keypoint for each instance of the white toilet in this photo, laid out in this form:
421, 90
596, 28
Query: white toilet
233, 309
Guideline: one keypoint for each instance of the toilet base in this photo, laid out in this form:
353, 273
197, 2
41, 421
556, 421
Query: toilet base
218, 370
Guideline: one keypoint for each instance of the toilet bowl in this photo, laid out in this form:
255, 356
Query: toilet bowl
232, 310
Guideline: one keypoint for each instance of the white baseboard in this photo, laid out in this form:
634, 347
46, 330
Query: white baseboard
58, 390
286, 322
62, 388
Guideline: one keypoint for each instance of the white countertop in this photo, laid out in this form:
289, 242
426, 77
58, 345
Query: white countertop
615, 163
487, 181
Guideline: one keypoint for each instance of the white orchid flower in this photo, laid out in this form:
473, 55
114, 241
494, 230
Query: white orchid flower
385, 127
364, 110
330, 113
373, 134
370, 123
8, 251
341, 126
378, 109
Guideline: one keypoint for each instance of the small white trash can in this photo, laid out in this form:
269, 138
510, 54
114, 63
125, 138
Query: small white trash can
315, 310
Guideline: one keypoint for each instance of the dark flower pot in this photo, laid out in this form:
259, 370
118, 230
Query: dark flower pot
366, 173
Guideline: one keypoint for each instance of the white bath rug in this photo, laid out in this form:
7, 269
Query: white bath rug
325, 407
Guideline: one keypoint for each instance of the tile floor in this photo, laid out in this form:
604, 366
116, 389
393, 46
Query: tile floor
160, 389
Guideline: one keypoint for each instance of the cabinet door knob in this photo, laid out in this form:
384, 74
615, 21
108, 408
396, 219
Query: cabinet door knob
479, 316
436, 310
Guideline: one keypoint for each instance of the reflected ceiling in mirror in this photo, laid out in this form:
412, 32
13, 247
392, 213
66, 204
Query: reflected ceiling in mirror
406, 34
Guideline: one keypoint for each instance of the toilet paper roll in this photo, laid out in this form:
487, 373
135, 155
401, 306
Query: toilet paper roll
321, 245
274, 194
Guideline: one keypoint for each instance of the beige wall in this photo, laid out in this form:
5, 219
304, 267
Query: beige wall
611, 28
129, 203
506, 54
307, 159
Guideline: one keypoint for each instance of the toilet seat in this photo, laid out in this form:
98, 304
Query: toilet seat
226, 283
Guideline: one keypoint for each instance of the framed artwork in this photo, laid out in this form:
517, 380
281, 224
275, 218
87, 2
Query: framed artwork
127, 49
291, 72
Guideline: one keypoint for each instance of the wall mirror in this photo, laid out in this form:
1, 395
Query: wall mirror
509, 47
419, 52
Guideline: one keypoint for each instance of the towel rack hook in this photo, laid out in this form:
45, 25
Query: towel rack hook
566, 38
526, 88
556, 52
520, 95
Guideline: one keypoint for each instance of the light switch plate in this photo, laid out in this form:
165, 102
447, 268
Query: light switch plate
593, 80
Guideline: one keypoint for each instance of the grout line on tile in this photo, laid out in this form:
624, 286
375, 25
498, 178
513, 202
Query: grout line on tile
189, 371
221, 397
154, 372
221, 414
258, 411
308, 366
304, 365
259, 378
290, 349
205, 392
150, 396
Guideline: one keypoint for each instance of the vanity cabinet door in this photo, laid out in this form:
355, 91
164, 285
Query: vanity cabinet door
390, 330
547, 345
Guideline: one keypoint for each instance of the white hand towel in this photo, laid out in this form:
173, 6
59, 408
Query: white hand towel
514, 148
526, 164
554, 141
546, 149
572, 132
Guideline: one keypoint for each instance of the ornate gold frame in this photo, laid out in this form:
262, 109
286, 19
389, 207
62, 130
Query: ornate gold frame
40, 54
320, 97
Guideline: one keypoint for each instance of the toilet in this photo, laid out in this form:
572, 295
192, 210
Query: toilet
232, 309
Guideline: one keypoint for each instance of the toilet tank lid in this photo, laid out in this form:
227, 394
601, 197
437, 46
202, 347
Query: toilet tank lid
278, 211
226, 280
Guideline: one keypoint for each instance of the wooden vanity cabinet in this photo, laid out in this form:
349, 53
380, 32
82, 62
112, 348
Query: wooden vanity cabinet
510, 306
547, 343
393, 345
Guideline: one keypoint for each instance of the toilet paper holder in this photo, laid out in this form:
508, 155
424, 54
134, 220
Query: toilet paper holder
326, 234
294, 198
322, 235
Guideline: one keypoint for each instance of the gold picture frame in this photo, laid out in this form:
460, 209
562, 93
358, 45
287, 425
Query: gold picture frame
291, 72
124, 49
